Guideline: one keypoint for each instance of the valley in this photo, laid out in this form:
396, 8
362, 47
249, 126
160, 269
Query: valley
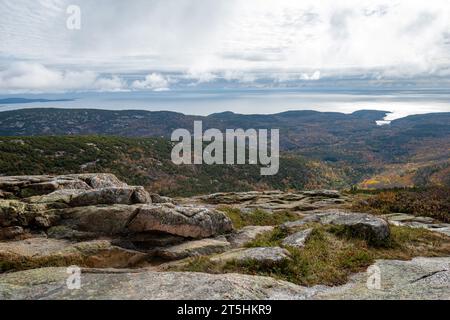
330, 150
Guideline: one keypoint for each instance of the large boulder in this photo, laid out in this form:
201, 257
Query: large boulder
63, 196
298, 239
98, 180
26, 186
90, 197
111, 220
369, 227
57, 221
78, 206
185, 221
247, 234
122, 195
264, 256
38, 252
121, 220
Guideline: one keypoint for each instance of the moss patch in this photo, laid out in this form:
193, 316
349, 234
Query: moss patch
16, 263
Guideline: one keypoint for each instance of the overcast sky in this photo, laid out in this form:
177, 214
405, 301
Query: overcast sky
157, 45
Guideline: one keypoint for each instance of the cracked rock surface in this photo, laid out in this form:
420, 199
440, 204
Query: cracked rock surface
420, 278
125, 239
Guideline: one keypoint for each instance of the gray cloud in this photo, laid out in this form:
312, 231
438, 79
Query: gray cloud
232, 40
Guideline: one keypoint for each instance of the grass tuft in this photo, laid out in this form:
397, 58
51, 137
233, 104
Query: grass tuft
328, 257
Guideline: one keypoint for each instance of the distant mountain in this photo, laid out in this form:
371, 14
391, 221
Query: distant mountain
24, 100
410, 151
322, 135
145, 123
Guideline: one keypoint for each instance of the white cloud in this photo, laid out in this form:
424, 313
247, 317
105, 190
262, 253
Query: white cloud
33, 77
242, 77
200, 76
313, 76
154, 81
112, 84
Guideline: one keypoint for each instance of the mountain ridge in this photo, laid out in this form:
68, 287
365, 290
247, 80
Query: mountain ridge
410, 149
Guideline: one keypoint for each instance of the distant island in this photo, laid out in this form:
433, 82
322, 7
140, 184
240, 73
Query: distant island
24, 100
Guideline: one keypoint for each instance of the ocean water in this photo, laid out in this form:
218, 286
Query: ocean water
251, 101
